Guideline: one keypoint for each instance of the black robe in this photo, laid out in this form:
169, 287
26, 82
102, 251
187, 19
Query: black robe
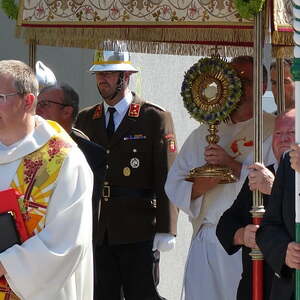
237, 216
278, 230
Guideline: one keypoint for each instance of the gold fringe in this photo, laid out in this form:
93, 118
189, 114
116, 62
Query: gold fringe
145, 39
282, 52
176, 48
282, 38
90, 37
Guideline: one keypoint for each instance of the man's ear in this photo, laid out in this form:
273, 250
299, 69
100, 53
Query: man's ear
67, 112
29, 100
127, 76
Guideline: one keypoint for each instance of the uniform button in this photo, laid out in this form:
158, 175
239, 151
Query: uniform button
105, 199
107, 151
105, 182
107, 166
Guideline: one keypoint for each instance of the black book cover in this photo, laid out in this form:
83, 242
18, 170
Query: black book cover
8, 232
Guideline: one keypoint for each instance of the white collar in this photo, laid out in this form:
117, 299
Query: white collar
30, 143
122, 106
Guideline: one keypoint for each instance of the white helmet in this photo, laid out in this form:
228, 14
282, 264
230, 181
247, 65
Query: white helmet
44, 75
112, 61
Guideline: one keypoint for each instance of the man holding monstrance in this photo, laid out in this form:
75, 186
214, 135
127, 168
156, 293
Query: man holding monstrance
212, 165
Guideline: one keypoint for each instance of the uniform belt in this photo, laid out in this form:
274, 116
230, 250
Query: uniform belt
118, 191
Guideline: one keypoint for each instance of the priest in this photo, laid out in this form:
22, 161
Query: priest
53, 184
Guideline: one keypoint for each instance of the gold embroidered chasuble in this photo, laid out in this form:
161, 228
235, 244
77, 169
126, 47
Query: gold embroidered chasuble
35, 181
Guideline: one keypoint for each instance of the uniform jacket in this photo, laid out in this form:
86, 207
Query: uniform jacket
278, 230
96, 158
235, 217
139, 155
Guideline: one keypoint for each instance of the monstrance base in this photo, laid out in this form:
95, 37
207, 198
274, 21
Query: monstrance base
213, 171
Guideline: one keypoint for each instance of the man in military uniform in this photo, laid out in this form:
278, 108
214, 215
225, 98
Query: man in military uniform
136, 217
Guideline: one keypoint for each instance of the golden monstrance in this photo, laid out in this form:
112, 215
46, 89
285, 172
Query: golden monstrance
211, 90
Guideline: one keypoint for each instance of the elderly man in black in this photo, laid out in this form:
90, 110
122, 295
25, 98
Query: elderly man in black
276, 237
235, 228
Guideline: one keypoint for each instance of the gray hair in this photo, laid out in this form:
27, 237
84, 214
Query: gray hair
24, 79
70, 96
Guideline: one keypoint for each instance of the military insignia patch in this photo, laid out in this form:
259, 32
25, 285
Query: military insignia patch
134, 162
172, 145
134, 110
171, 142
98, 112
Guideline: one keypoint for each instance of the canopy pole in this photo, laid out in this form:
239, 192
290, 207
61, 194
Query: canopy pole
280, 85
32, 53
257, 208
296, 77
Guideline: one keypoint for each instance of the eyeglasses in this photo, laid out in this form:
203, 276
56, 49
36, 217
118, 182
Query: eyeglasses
45, 103
3, 97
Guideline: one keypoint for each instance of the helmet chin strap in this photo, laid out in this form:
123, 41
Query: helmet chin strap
120, 85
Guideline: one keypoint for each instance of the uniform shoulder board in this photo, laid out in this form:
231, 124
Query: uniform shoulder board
80, 133
155, 105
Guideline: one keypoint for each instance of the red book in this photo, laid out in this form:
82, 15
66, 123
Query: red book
9, 201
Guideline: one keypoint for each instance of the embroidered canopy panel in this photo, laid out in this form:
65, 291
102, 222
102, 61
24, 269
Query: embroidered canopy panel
168, 26
282, 30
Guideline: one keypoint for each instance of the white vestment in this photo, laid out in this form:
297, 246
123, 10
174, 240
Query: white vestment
211, 274
56, 263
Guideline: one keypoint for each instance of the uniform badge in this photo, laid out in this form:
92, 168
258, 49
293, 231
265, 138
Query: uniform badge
98, 112
135, 162
134, 110
126, 171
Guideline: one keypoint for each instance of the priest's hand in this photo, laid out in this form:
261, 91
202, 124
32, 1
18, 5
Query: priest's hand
292, 258
246, 236
201, 185
2, 270
260, 178
295, 157
164, 242
216, 155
